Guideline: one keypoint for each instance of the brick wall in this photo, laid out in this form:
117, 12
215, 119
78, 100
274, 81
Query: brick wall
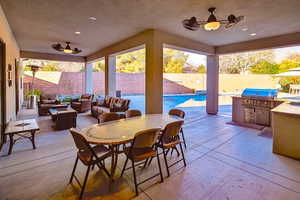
66, 83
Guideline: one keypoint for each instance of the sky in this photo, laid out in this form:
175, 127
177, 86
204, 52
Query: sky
280, 54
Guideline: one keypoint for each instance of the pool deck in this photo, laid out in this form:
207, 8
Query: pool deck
224, 162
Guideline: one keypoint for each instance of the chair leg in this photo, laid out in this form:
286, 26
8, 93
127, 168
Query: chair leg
166, 162
134, 177
85, 180
73, 171
178, 154
146, 162
124, 167
183, 158
159, 166
183, 138
149, 163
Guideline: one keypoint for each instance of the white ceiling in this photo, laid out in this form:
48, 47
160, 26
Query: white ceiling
39, 23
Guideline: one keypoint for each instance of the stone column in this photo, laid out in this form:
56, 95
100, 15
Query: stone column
154, 77
212, 84
110, 75
88, 78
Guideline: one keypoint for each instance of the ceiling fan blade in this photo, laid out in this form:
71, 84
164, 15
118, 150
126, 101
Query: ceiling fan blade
239, 18
191, 24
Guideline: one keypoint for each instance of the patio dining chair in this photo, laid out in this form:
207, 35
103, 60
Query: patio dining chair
143, 147
181, 114
169, 139
132, 113
89, 156
107, 117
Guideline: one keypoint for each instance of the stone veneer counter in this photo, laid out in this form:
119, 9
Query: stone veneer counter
286, 129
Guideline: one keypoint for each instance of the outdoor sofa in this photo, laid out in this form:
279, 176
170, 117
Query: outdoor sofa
109, 104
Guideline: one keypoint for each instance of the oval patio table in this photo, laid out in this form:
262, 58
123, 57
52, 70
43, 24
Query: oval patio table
122, 131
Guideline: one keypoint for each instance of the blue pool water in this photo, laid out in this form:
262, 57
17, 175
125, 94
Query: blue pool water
169, 101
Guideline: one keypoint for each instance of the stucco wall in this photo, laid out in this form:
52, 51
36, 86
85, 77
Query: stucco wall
73, 82
12, 53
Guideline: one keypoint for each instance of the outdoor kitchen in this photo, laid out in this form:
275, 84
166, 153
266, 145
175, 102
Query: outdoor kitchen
253, 108
261, 109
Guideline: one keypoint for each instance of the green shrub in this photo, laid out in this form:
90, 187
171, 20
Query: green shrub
35, 92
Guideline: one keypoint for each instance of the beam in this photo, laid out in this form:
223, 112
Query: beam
129, 43
49, 56
286, 40
184, 44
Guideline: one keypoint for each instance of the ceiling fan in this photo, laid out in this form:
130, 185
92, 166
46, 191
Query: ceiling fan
212, 23
66, 49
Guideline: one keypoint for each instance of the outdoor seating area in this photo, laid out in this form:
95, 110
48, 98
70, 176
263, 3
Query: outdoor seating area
216, 153
144, 100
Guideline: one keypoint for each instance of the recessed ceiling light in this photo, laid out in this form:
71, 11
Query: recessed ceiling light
244, 29
252, 34
93, 18
77, 32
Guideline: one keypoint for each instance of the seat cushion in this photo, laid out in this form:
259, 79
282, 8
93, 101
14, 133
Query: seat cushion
76, 104
46, 101
87, 157
102, 109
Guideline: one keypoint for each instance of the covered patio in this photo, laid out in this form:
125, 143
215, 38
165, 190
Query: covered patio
224, 161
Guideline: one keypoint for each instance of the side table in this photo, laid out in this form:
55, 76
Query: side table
23, 129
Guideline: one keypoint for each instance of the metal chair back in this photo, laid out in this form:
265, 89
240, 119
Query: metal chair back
177, 112
171, 131
133, 113
146, 138
107, 117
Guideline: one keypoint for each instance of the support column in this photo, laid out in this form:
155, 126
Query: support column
212, 84
154, 77
88, 78
110, 76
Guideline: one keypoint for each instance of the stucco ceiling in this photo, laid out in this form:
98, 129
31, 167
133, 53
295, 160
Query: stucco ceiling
39, 23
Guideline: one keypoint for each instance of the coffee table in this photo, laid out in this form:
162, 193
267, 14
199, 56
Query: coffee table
21, 129
64, 118
44, 108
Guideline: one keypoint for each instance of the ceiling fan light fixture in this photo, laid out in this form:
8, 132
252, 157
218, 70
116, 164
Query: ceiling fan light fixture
212, 26
67, 49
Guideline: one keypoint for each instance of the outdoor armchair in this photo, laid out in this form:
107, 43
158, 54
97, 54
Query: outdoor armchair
82, 104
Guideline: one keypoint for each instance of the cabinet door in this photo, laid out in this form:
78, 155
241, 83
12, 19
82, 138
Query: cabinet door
262, 116
250, 115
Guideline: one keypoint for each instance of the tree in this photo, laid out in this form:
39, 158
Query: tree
202, 69
132, 62
50, 68
294, 57
265, 67
99, 66
242, 62
285, 65
174, 61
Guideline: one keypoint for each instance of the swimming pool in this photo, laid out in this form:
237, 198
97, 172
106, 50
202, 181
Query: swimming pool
169, 101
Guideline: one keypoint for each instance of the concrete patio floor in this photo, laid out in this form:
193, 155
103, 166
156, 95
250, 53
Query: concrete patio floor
224, 162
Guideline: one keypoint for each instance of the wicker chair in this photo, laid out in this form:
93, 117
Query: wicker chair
89, 156
142, 148
181, 114
107, 117
132, 113
169, 140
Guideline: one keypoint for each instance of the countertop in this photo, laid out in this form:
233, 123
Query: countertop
289, 108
